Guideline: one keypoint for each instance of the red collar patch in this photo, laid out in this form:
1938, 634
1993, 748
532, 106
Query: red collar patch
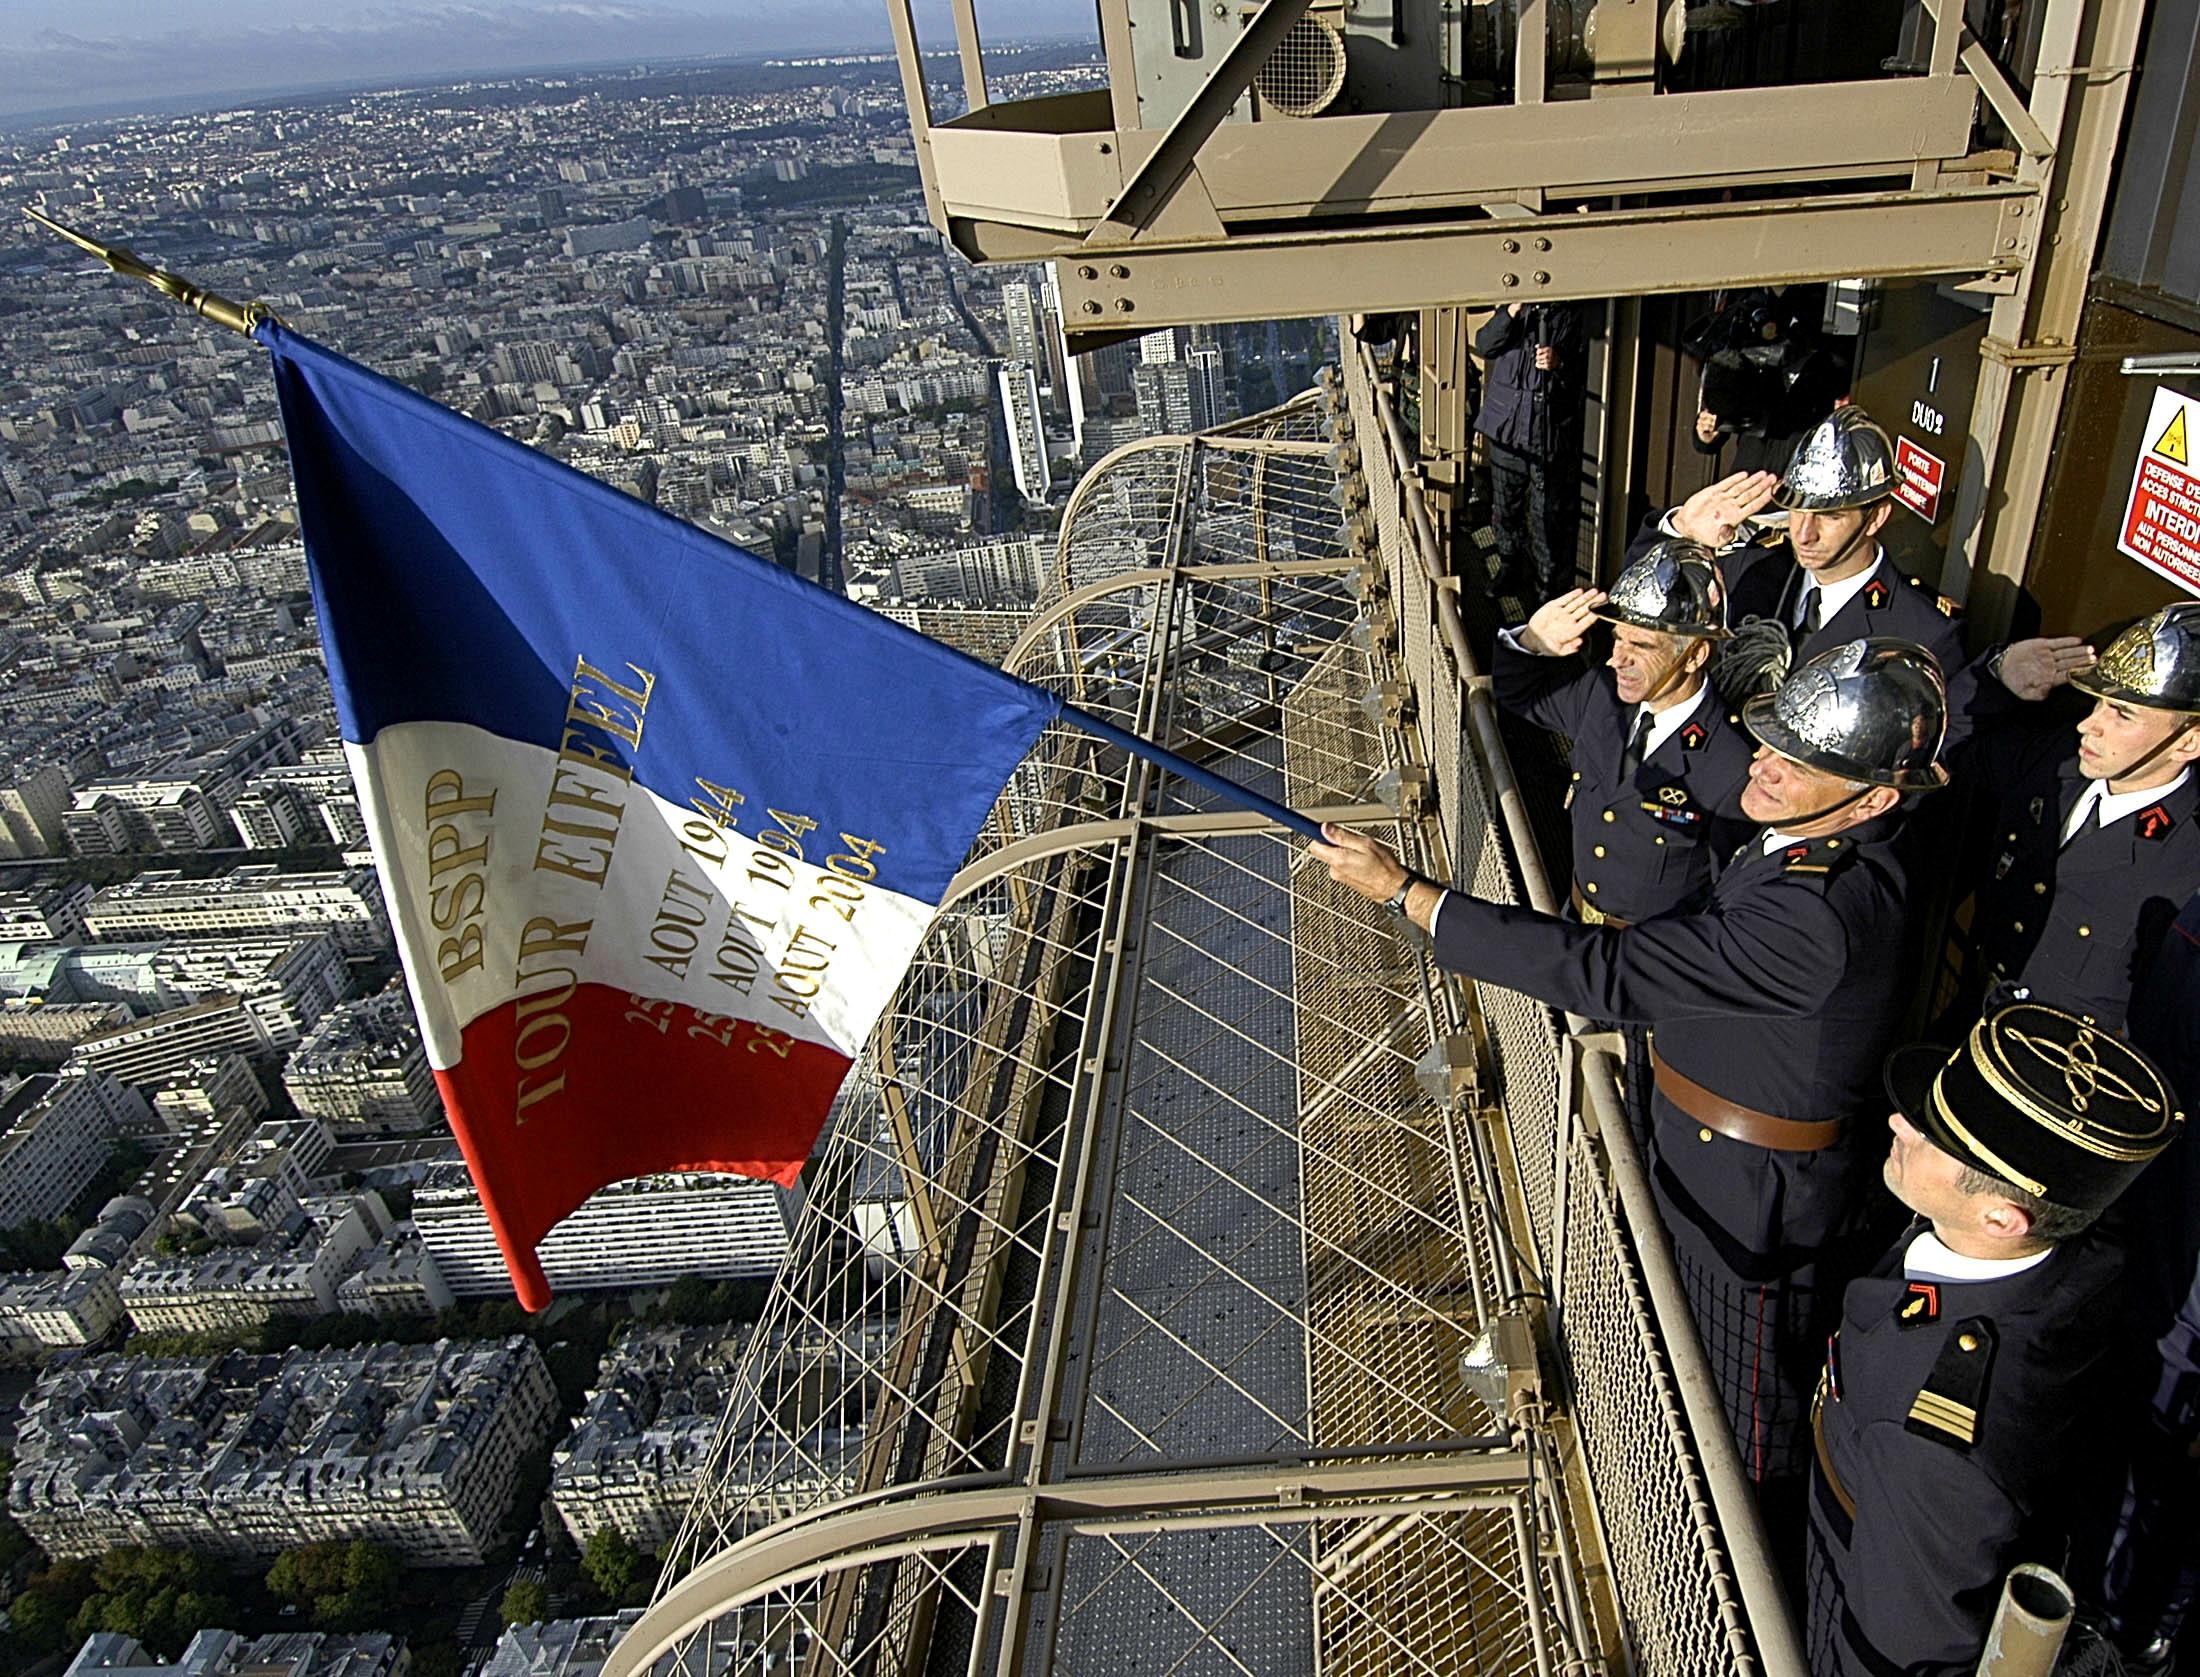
1920, 1304
1693, 736
2154, 822
1795, 852
1875, 594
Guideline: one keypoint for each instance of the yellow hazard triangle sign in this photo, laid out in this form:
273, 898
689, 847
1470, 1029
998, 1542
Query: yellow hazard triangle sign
2171, 444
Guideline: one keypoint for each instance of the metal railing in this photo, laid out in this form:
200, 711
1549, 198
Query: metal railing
1164, 1287
1697, 1587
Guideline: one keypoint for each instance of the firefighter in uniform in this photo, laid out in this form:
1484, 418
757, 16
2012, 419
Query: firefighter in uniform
1772, 1009
1658, 763
1967, 1387
2095, 841
1825, 581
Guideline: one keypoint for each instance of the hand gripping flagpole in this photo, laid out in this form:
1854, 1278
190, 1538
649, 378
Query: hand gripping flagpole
244, 317
238, 317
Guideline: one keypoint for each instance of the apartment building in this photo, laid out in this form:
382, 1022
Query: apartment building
57, 1309
364, 1071
250, 901
55, 1133
646, 1232
242, 1456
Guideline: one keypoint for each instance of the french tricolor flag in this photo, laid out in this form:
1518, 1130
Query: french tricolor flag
659, 824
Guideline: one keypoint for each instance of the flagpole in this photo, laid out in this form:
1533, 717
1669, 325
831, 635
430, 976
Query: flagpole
244, 317
222, 311
1243, 796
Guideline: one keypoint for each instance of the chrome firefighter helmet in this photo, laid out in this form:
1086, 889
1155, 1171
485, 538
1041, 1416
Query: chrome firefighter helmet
1673, 589
2155, 662
1847, 460
1873, 710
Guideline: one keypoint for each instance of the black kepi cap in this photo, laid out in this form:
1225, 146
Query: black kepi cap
2041, 1099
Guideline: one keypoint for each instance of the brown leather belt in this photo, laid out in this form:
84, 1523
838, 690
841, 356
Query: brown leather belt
1825, 1456
1591, 915
1740, 1123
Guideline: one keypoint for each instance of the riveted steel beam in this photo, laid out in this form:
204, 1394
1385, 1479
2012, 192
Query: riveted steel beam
1044, 165
1970, 231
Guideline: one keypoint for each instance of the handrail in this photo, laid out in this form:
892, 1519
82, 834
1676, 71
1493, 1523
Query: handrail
1756, 1575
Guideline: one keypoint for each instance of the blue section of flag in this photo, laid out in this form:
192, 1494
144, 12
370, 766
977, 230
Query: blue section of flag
459, 576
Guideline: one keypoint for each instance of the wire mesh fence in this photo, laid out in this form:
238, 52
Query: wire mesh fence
1678, 1608
1149, 1304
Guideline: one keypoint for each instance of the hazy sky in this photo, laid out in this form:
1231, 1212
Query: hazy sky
61, 53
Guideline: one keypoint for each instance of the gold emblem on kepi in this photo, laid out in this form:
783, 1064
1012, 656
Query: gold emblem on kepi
2083, 1075
2041, 1099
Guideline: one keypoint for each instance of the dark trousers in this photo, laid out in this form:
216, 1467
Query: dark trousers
1764, 1241
2155, 1564
1535, 513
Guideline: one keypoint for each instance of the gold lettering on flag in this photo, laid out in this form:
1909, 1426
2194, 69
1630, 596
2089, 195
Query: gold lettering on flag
580, 823
455, 905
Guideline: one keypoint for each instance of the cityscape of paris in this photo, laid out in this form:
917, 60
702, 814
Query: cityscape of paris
265, 1400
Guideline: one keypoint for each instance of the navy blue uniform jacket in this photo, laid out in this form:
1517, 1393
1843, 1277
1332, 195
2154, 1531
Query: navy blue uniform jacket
1652, 843
1776, 993
1767, 582
2078, 927
1940, 1518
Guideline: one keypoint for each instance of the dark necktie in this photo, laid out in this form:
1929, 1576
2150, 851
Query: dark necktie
1807, 624
2087, 822
1631, 759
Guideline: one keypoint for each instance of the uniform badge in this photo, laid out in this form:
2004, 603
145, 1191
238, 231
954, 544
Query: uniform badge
2039, 806
1795, 852
1876, 594
1671, 807
1693, 736
2154, 822
1947, 1409
1946, 606
1920, 1304
2006, 861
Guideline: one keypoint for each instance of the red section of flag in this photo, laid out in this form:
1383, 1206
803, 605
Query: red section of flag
558, 1093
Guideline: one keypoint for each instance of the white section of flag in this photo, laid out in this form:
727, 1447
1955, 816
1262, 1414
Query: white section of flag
688, 905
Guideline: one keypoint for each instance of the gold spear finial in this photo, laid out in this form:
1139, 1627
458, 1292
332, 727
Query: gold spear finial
238, 317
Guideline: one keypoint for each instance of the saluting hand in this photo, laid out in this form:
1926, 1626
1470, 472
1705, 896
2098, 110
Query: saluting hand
1714, 514
2035, 668
1560, 624
1358, 863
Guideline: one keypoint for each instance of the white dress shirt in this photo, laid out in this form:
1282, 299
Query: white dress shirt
1927, 1258
2115, 805
1836, 594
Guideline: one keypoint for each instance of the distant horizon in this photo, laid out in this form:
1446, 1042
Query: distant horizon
65, 61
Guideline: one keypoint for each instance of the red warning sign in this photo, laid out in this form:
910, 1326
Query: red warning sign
1920, 478
2162, 519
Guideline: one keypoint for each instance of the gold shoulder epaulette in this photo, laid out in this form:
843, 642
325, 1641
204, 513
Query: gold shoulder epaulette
1947, 1408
